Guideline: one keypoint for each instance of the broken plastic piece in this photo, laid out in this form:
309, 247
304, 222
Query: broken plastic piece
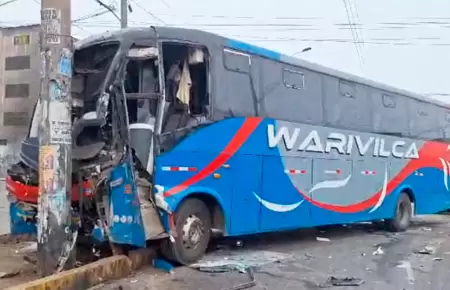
163, 265
246, 285
378, 251
345, 281
428, 250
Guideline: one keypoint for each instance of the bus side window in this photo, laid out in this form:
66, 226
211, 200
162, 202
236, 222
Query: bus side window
347, 89
236, 94
391, 114
187, 86
389, 101
293, 79
141, 78
236, 61
445, 123
424, 123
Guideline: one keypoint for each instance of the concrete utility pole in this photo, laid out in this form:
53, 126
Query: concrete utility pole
123, 13
55, 237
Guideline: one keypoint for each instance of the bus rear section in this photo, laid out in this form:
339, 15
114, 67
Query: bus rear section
268, 175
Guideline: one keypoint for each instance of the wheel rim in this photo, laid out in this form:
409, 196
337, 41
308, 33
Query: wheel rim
193, 232
401, 212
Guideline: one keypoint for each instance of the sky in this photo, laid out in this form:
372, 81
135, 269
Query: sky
403, 43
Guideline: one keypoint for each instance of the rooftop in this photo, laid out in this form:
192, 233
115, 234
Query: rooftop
2, 27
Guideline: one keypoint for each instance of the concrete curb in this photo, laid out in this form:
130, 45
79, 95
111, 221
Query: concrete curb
86, 276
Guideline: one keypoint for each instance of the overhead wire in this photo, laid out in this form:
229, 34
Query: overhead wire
356, 40
165, 3
98, 12
148, 12
355, 15
294, 25
108, 7
7, 2
296, 18
406, 41
83, 22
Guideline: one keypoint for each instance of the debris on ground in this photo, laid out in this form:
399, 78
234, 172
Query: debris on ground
8, 239
320, 239
409, 271
9, 274
438, 259
308, 256
426, 229
163, 265
427, 250
240, 261
378, 251
31, 260
342, 281
245, 285
30, 247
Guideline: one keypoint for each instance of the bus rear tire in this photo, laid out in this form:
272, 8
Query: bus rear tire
193, 229
403, 215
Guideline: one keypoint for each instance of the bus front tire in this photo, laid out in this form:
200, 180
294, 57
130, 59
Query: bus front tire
193, 229
403, 214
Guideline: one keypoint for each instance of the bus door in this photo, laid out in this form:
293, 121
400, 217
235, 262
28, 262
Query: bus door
135, 97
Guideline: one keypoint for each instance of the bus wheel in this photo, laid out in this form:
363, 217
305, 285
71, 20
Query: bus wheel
193, 228
403, 214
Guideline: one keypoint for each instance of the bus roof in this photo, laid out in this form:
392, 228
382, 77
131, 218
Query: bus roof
205, 37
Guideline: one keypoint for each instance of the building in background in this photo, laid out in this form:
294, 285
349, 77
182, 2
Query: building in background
19, 87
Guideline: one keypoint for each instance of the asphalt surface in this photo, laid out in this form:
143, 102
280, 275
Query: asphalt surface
4, 210
350, 252
380, 259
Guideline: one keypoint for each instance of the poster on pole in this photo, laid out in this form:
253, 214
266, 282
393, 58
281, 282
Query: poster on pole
60, 126
51, 25
47, 155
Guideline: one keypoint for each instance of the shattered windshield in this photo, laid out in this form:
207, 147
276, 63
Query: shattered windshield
92, 64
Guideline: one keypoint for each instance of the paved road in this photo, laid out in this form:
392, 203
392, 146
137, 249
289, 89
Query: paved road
350, 253
4, 210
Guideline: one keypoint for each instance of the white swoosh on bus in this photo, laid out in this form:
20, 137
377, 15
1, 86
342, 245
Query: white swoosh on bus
331, 184
445, 168
278, 207
383, 192
448, 173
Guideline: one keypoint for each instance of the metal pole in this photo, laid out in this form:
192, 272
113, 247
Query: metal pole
123, 13
55, 238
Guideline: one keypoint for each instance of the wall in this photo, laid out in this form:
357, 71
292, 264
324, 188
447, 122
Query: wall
19, 88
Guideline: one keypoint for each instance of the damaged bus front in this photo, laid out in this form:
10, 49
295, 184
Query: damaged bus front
117, 106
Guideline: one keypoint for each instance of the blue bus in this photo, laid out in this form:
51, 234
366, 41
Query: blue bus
198, 135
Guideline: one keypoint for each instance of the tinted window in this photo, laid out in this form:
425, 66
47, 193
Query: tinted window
236, 61
238, 97
347, 89
17, 91
15, 118
293, 79
390, 114
17, 62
